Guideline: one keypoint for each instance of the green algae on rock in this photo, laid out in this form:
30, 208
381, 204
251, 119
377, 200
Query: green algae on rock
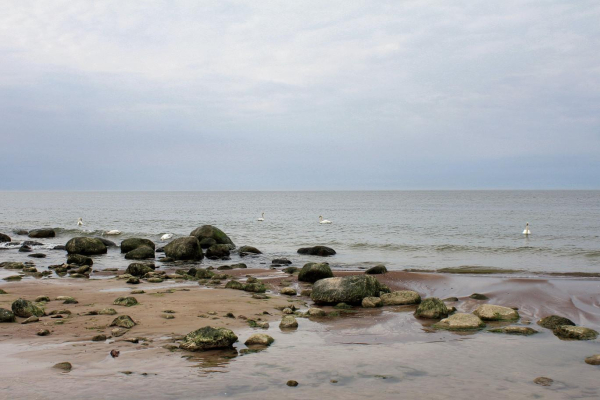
431, 308
554, 321
312, 272
568, 332
184, 248
125, 301
123, 321
208, 235
86, 246
347, 289
25, 309
128, 245
515, 330
208, 338
491, 312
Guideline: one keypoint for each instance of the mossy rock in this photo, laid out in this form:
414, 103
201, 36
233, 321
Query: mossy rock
234, 285
257, 287
321, 251
491, 312
204, 274
460, 322
515, 330
42, 233
25, 309
12, 265
371, 302
290, 270
86, 246
554, 321
376, 270
7, 315
312, 272
248, 250
184, 248
211, 232
400, 298
431, 308
139, 269
217, 251
107, 311
78, 259
140, 253
125, 301
209, 338
123, 321
288, 322
131, 244
347, 289
569, 332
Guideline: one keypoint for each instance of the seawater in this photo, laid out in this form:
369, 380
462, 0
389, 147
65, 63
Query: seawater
402, 229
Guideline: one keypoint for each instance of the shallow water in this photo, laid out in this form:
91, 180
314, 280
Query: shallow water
424, 229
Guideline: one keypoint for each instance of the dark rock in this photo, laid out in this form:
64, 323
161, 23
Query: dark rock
451, 299
4, 238
86, 246
214, 233
347, 289
184, 248
22, 232
37, 255
25, 309
107, 243
312, 272
204, 274
515, 330
123, 321
207, 242
139, 269
128, 245
6, 315
78, 259
249, 249
292, 383
376, 270
133, 280
32, 243
125, 301
59, 247
321, 251
65, 366
239, 265
24, 249
431, 308
218, 251
290, 270
99, 338
224, 267
209, 338
281, 261
140, 253
42, 233
43, 332
554, 321
569, 332
479, 296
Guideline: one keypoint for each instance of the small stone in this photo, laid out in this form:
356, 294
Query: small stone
168, 316
31, 319
543, 381
287, 310
138, 291
118, 332
70, 301
460, 322
123, 321
125, 301
114, 353
400, 298
292, 383
288, 291
259, 339
65, 366
99, 338
133, 280
107, 311
376, 270
43, 332
39, 299
372, 302
288, 322
479, 296
515, 330
593, 360
554, 321
432, 308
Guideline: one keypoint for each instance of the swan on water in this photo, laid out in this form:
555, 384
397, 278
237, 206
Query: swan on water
79, 222
527, 231
323, 221
112, 232
166, 236
262, 218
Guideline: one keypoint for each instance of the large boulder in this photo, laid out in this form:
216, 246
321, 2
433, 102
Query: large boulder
568, 332
322, 251
184, 248
139, 269
347, 289
217, 251
78, 259
85, 246
400, 298
4, 238
128, 245
460, 322
491, 312
554, 321
6, 315
209, 338
206, 234
42, 233
140, 253
312, 272
432, 308
25, 309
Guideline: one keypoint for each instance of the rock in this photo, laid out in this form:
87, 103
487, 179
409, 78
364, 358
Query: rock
257, 287
139, 269
99, 338
431, 308
451, 299
234, 285
107, 311
85, 246
573, 332
515, 330
372, 302
208, 338
70, 300
376, 270
554, 321
125, 301
208, 235
543, 381
13, 278
2, 292
288, 291
114, 353
25, 249
224, 267
257, 324
4, 238
12, 265
288, 322
321, 251
107, 243
155, 280
490, 312
58, 312
343, 306
21, 232
312, 272
260, 296
42, 233
460, 322
64, 298
65, 366
6, 315
260, 339
25, 309
118, 332
31, 319
290, 270
37, 255
131, 244
292, 383
239, 266
123, 321
184, 248
59, 247
244, 250
43, 332
316, 312
287, 310
78, 259
306, 292
479, 296
139, 291
140, 253
347, 289
281, 261
593, 360
400, 298
217, 251
133, 280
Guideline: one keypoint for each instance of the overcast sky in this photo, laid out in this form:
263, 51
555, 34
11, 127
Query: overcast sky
242, 95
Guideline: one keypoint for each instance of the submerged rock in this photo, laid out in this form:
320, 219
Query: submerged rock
543, 381
208, 235
376, 270
431, 308
574, 332
400, 298
107, 243
208, 338
260, 339
554, 321
460, 322
12, 265
316, 312
123, 321
25, 309
490, 312
288, 322
515, 330
347, 289
85, 246
6, 315
312, 272
42, 233
321, 251
184, 248
140, 253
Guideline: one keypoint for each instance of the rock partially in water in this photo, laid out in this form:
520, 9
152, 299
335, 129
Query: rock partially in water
400, 298
288, 322
42, 233
140, 253
248, 250
37, 255
6, 315
131, 244
107, 243
133, 280
78, 259
25, 309
554, 321
65, 366
569, 332
515, 330
372, 302
290, 270
316, 312
479, 296
593, 360
312, 272
86, 246
139, 269
13, 278
348, 289
12, 265
431, 308
288, 291
125, 301
260, 339
256, 287
321, 251
281, 261
4, 238
376, 270
25, 249
184, 248
543, 381
460, 322
218, 251
292, 383
208, 235
491, 312
123, 321
209, 338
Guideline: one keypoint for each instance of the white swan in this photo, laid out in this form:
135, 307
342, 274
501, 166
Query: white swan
166, 236
527, 231
79, 222
113, 232
262, 218
323, 221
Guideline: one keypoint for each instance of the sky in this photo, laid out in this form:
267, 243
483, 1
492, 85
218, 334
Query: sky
299, 95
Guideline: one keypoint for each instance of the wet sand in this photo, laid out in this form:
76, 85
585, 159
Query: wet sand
383, 353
